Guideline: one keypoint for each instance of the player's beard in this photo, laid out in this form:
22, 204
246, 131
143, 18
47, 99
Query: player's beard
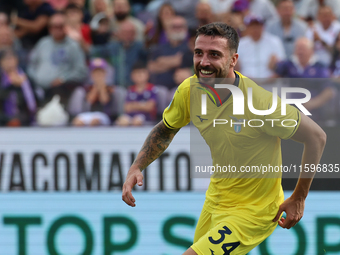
219, 75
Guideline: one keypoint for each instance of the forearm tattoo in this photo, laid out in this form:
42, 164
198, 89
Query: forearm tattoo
155, 144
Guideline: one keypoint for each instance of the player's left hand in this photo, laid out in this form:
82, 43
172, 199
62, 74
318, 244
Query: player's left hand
294, 211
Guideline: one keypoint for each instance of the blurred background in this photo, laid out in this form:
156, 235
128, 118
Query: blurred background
82, 82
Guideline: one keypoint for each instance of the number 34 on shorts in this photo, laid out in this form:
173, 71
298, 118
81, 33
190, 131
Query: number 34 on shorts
226, 247
218, 241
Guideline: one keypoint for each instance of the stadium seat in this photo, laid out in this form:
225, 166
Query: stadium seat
119, 96
76, 101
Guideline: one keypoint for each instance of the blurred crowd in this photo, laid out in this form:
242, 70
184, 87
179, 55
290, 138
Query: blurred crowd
119, 62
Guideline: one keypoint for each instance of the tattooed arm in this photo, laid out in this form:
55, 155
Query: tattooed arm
155, 144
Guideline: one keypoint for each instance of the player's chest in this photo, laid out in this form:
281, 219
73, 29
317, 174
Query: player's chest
219, 124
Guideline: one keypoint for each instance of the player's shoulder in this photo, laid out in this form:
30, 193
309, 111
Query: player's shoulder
260, 96
246, 82
184, 87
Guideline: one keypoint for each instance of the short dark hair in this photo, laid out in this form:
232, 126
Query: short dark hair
222, 30
139, 65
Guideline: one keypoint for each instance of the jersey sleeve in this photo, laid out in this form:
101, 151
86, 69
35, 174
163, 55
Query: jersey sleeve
177, 114
283, 126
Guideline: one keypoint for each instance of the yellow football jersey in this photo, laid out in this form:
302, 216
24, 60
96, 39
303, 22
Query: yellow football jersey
238, 141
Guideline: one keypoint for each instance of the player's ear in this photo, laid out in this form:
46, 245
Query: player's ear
234, 59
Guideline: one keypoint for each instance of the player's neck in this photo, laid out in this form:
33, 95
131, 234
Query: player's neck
231, 76
224, 93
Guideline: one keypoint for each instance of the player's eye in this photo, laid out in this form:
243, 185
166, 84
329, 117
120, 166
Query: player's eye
214, 54
198, 53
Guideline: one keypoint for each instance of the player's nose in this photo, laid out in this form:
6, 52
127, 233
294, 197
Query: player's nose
205, 61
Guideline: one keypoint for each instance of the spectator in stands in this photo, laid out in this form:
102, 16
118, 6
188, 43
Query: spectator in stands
86, 13
179, 76
102, 14
324, 33
241, 6
58, 5
304, 64
183, 8
8, 6
100, 29
137, 6
263, 8
97, 107
75, 28
258, 50
121, 9
9, 42
157, 33
122, 53
287, 27
3, 19
57, 63
140, 105
101, 6
166, 58
186, 9
335, 63
309, 8
203, 14
7, 39
235, 18
17, 101
191, 41
31, 23
220, 7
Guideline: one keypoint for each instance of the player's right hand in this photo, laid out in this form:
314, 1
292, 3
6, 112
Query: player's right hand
133, 177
